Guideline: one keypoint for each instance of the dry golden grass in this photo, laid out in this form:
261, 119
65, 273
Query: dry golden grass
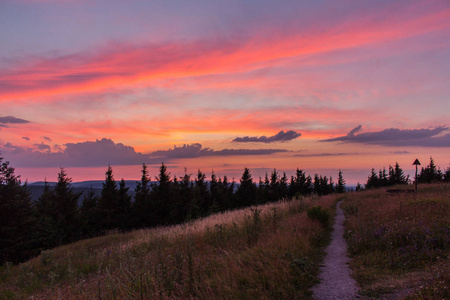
265, 252
395, 239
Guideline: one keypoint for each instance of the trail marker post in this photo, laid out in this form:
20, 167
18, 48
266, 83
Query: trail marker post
416, 163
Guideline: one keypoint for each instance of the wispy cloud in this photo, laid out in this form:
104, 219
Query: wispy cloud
401, 152
325, 154
435, 137
279, 137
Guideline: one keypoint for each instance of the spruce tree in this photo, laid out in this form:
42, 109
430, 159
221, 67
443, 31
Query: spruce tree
201, 194
447, 175
89, 215
430, 174
48, 232
66, 208
160, 196
372, 181
108, 204
186, 200
124, 206
300, 184
340, 188
246, 192
16, 218
143, 210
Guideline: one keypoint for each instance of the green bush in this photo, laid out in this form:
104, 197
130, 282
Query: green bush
319, 214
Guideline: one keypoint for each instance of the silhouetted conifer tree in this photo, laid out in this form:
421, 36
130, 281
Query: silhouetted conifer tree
447, 175
201, 194
216, 193
143, 210
263, 190
283, 187
66, 213
186, 198
160, 196
229, 199
124, 206
274, 186
430, 174
108, 204
16, 218
372, 180
246, 192
300, 184
48, 232
359, 187
340, 188
89, 214
397, 176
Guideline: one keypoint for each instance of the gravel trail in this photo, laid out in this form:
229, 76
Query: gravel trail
335, 280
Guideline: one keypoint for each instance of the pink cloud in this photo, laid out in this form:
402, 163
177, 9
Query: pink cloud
124, 65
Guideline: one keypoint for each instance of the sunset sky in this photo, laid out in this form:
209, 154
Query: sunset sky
223, 85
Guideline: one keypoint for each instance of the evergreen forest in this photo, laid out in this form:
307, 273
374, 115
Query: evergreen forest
27, 227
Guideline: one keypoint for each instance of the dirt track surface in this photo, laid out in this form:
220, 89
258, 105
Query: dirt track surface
335, 280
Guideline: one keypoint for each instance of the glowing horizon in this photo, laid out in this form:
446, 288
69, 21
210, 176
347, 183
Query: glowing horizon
363, 85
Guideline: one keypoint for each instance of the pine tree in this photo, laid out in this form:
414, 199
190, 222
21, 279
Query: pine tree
216, 192
430, 174
246, 192
201, 194
274, 186
124, 206
186, 200
447, 175
359, 187
66, 208
48, 233
340, 188
143, 210
372, 181
300, 184
160, 197
16, 218
397, 176
108, 204
89, 215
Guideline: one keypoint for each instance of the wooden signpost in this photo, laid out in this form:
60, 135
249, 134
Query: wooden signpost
416, 163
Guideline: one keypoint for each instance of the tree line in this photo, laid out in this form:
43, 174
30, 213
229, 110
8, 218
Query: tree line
396, 176
28, 227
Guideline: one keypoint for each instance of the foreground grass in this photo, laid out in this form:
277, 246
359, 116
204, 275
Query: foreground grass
266, 252
401, 243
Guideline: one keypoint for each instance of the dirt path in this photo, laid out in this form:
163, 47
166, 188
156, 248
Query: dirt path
335, 280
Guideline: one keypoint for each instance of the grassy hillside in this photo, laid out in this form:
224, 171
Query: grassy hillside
270, 251
400, 243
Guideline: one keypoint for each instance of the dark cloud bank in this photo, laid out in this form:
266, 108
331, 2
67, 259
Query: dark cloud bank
105, 151
279, 137
435, 137
11, 120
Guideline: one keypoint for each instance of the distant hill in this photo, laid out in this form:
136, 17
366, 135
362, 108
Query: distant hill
84, 187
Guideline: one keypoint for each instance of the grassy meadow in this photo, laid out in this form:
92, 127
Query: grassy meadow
400, 243
265, 252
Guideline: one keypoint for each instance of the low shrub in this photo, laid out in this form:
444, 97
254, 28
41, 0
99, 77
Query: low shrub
319, 214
